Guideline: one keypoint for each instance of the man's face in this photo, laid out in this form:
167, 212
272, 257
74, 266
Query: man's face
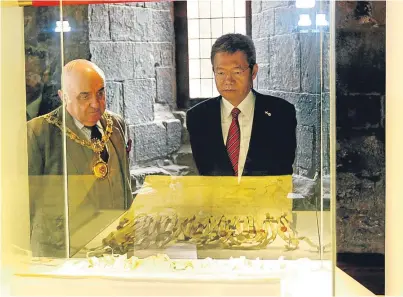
233, 76
35, 72
86, 97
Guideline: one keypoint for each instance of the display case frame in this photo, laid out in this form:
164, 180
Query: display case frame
19, 249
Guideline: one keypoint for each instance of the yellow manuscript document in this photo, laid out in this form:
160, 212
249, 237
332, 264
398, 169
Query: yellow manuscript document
198, 195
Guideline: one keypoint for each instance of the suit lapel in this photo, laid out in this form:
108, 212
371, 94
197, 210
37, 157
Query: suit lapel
83, 156
115, 140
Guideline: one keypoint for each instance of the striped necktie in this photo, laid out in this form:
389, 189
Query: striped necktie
234, 140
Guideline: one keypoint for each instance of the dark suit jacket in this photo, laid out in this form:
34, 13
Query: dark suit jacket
272, 144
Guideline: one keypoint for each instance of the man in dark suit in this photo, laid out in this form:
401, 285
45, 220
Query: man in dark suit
241, 132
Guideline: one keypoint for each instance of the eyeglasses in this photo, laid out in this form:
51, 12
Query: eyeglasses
235, 73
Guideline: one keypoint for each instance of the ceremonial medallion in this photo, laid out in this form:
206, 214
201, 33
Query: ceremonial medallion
100, 169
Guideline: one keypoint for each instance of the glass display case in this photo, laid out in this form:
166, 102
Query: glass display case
111, 159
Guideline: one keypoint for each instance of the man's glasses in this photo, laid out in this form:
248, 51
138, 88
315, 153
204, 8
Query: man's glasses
235, 73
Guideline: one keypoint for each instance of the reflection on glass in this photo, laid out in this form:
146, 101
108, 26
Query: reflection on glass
175, 207
204, 9
205, 48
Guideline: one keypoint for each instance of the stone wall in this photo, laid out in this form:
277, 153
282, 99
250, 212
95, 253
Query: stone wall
134, 44
40, 39
290, 68
360, 68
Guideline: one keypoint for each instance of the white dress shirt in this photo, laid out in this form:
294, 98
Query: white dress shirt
87, 131
245, 119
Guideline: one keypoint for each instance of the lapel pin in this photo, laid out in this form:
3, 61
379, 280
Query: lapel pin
267, 113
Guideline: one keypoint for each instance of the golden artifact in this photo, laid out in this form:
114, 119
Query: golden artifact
156, 232
100, 168
209, 212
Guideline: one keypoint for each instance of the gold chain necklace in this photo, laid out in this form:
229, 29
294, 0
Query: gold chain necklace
100, 167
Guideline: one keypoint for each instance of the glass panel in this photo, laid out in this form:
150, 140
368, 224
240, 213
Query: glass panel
206, 71
194, 68
48, 187
204, 9
193, 9
206, 88
176, 207
240, 8
194, 50
216, 28
205, 30
216, 9
228, 8
228, 25
205, 48
240, 25
194, 86
193, 29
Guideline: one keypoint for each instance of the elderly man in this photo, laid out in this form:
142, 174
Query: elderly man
80, 156
241, 132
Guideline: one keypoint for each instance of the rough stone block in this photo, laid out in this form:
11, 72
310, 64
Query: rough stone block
150, 141
166, 86
306, 106
184, 157
114, 97
262, 50
98, 24
305, 150
176, 170
303, 185
256, 6
362, 155
286, 20
326, 62
163, 27
139, 96
115, 59
269, 4
360, 57
130, 23
174, 135
163, 54
360, 214
263, 78
162, 112
143, 60
263, 24
285, 60
181, 116
138, 175
358, 111
162, 5
310, 62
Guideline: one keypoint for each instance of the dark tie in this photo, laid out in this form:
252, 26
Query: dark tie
234, 140
96, 134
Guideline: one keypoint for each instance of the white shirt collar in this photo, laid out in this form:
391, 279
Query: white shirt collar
246, 106
81, 126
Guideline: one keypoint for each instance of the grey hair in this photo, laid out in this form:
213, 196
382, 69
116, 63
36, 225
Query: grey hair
233, 42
